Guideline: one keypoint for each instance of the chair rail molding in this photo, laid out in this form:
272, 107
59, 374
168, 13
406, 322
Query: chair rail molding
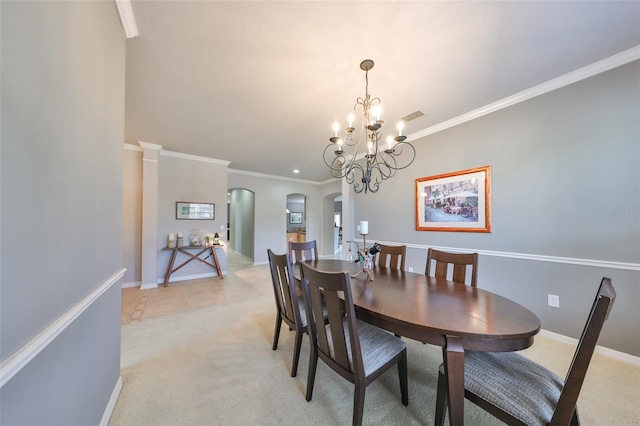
526, 256
19, 359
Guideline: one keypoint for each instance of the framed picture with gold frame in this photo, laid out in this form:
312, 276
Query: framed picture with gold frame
457, 202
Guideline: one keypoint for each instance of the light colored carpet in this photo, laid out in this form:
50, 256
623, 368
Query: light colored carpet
215, 366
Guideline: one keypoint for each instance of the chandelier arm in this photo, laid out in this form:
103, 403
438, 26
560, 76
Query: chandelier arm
386, 170
336, 165
354, 171
397, 152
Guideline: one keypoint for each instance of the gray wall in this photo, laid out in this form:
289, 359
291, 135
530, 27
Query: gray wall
270, 204
132, 216
62, 86
565, 184
182, 179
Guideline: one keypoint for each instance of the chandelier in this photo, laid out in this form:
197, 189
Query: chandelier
382, 160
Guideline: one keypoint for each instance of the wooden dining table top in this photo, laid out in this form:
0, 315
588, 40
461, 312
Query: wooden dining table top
426, 308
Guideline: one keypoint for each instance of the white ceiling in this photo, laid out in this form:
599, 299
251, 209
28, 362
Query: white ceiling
260, 83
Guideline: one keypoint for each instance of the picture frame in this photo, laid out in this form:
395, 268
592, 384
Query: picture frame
195, 211
455, 202
295, 217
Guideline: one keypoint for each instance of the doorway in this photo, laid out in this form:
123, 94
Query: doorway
240, 228
296, 217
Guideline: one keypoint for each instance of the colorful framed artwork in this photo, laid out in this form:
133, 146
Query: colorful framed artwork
458, 201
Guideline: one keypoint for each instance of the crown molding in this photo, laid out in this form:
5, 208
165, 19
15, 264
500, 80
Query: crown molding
606, 64
194, 158
156, 147
131, 147
152, 146
126, 18
263, 175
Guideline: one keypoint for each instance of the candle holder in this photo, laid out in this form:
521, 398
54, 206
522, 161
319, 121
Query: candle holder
366, 257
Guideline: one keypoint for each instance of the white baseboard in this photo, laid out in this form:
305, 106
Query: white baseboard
600, 350
132, 284
112, 403
191, 277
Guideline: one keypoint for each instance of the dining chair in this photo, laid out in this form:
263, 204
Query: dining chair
519, 391
460, 261
290, 306
303, 251
392, 256
357, 351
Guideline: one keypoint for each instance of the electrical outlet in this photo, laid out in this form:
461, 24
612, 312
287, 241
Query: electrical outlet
553, 300
410, 268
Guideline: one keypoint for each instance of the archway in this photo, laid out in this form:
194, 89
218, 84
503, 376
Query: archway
296, 218
241, 222
332, 224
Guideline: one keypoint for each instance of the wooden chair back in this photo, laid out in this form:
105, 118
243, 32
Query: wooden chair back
507, 369
575, 376
332, 345
460, 261
392, 256
284, 288
303, 251
339, 344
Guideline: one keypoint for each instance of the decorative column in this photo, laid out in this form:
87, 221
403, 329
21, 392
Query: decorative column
348, 215
150, 162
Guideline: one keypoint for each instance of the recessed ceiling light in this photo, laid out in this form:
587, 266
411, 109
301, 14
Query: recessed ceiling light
296, 171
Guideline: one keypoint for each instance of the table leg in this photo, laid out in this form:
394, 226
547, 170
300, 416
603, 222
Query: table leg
454, 366
215, 261
168, 274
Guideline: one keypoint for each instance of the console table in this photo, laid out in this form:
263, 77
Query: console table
210, 250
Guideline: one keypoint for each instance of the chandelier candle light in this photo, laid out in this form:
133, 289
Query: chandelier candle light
381, 162
365, 255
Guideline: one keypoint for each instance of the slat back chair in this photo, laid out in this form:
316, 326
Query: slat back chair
303, 251
392, 256
357, 351
289, 305
519, 391
460, 261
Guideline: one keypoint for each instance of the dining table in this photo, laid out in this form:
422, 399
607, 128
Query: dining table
454, 316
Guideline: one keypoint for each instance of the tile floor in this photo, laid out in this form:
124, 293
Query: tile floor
182, 296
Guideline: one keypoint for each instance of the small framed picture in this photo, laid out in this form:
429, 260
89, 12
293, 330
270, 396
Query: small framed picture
295, 217
457, 201
195, 211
